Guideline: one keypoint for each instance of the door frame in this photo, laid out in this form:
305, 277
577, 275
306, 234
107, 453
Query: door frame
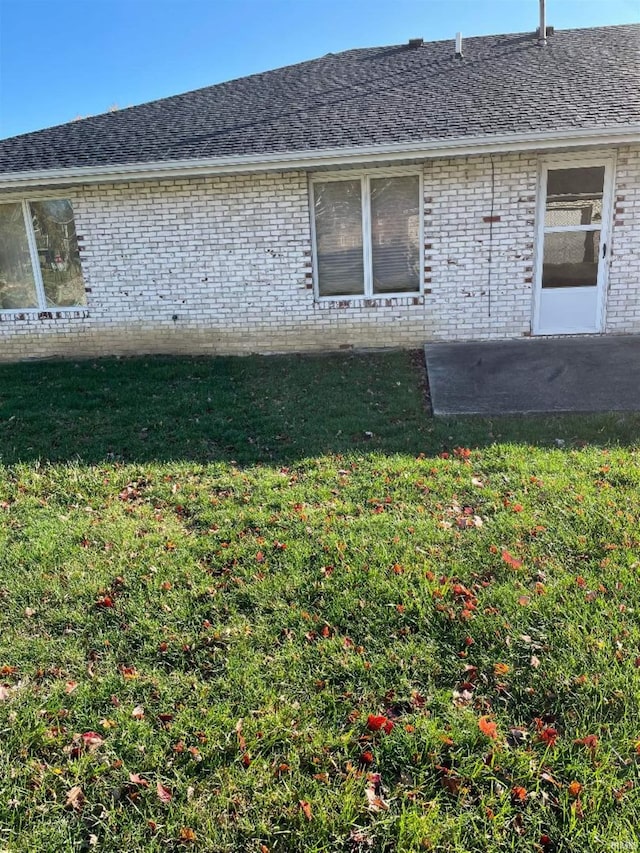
576, 160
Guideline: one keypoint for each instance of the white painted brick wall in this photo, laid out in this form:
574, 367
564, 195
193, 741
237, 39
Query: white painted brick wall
623, 298
230, 257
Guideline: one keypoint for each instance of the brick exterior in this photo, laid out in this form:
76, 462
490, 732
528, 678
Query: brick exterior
623, 297
223, 265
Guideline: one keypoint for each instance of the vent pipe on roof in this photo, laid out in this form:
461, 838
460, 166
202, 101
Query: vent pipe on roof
415, 42
542, 29
459, 45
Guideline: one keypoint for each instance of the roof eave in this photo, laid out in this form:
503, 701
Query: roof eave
320, 158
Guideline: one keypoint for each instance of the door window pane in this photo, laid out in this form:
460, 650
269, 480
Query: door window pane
338, 221
571, 259
58, 252
17, 283
395, 234
574, 196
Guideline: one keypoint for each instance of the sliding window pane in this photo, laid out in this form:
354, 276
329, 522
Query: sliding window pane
58, 253
338, 221
395, 234
574, 196
17, 284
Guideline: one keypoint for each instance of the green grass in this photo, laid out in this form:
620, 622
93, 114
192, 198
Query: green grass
294, 544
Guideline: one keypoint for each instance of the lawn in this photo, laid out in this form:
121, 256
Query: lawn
269, 604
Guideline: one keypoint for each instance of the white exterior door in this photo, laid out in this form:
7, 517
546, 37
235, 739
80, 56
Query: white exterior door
574, 214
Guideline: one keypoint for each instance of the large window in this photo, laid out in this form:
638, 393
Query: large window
39, 258
367, 234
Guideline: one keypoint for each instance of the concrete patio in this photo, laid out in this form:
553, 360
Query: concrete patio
579, 374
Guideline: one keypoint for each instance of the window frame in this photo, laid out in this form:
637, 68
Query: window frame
365, 176
35, 260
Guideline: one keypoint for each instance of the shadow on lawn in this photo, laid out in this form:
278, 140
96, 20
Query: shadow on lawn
272, 410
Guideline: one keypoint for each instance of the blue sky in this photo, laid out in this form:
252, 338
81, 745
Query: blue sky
63, 58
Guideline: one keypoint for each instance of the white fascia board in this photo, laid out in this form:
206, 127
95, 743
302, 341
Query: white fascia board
316, 159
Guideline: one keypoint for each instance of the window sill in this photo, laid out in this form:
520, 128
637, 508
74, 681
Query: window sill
388, 301
30, 314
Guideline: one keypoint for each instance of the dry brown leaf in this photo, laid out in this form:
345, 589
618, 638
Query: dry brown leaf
306, 809
75, 798
164, 794
575, 789
242, 743
373, 792
375, 803
488, 727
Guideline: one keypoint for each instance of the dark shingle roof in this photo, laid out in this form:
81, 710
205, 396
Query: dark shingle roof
587, 78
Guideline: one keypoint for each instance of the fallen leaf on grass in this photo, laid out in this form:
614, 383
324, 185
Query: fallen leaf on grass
547, 777
164, 794
511, 561
548, 735
187, 834
129, 672
136, 779
70, 686
138, 712
75, 798
4, 693
590, 741
462, 453
619, 793
450, 780
487, 727
375, 723
373, 792
575, 789
242, 743
517, 736
306, 809
92, 740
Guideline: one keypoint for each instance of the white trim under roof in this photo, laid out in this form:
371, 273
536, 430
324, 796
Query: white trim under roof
302, 160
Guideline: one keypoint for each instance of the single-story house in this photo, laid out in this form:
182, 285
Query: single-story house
483, 188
